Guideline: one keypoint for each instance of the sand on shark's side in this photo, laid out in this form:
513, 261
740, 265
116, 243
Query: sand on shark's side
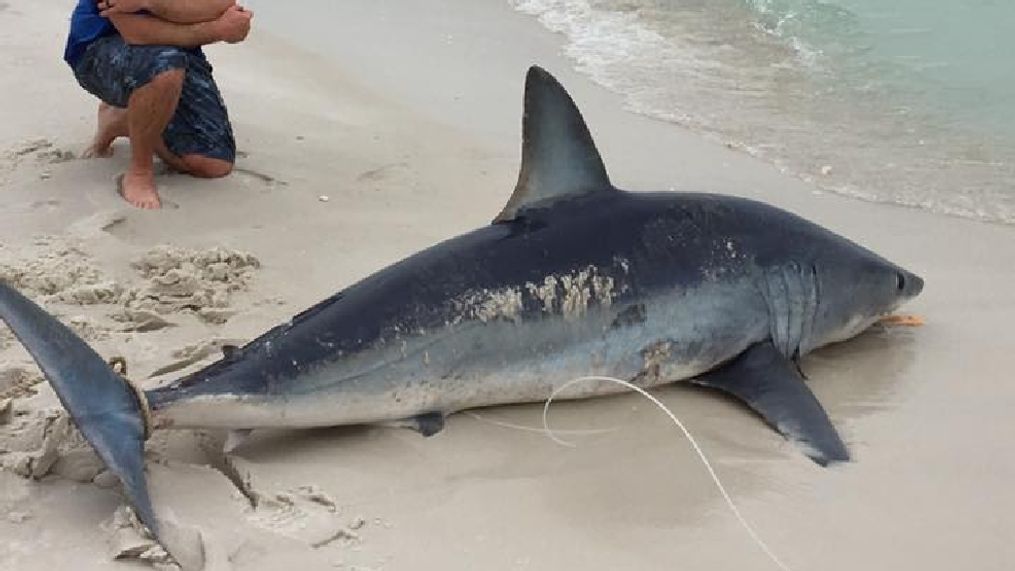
405, 162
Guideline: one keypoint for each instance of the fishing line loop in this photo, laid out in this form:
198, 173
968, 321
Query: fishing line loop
708, 465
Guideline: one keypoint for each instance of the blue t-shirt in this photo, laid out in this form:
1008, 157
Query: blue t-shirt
86, 26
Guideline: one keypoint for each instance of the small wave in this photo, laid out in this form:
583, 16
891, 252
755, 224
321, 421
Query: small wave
809, 21
793, 82
601, 41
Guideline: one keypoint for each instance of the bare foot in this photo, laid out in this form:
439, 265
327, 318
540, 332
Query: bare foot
112, 123
138, 188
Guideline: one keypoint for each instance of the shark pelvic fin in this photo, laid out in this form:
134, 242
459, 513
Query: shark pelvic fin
559, 157
103, 405
769, 383
426, 424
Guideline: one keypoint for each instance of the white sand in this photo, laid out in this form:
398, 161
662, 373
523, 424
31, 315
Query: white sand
411, 131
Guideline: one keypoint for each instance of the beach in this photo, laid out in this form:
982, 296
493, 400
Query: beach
399, 128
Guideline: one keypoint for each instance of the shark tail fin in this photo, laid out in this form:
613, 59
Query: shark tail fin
110, 413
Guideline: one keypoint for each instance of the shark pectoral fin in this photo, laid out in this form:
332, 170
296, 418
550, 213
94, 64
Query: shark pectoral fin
103, 405
769, 383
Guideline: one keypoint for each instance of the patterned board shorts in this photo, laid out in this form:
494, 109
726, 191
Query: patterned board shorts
111, 70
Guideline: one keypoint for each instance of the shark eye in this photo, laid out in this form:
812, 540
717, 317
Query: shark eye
901, 280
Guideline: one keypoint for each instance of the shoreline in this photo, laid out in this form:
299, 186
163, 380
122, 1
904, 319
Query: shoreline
404, 168
879, 141
496, 42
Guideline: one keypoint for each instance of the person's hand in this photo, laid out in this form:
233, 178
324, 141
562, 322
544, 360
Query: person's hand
110, 7
233, 25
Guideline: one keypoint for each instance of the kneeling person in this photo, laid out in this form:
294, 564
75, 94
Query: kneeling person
143, 60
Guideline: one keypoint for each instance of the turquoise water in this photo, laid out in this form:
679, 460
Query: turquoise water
953, 54
906, 101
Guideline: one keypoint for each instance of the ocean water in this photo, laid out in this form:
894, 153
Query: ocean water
908, 101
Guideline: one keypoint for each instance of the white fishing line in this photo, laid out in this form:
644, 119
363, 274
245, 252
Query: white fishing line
715, 478
538, 429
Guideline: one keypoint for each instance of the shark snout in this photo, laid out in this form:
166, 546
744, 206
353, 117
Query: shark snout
910, 284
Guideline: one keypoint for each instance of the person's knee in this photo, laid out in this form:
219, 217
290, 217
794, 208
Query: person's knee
207, 167
169, 79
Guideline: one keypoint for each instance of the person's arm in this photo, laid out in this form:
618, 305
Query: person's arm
179, 11
139, 29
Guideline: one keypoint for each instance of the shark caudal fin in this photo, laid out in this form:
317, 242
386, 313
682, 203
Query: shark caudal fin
559, 157
103, 405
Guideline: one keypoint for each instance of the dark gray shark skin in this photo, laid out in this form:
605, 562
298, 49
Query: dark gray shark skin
573, 278
648, 287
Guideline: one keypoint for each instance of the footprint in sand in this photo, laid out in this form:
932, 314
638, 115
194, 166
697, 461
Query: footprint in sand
18, 382
56, 156
266, 179
28, 147
381, 172
43, 150
304, 513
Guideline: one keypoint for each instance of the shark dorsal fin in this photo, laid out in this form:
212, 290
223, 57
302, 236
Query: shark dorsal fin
559, 158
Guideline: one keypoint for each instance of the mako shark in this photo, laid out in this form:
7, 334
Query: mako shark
573, 278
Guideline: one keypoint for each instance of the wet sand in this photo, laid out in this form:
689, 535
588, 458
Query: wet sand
413, 140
